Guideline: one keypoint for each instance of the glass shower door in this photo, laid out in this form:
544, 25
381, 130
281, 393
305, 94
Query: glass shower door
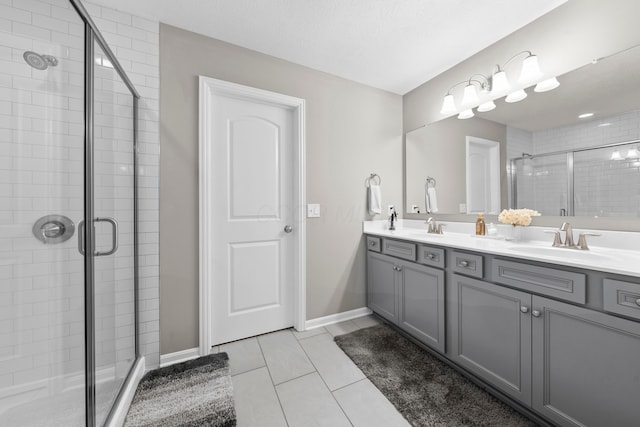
113, 198
542, 183
42, 324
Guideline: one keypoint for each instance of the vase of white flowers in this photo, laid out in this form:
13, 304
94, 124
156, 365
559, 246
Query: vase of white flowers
517, 218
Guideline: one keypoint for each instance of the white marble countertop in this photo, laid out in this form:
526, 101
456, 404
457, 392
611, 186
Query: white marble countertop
613, 252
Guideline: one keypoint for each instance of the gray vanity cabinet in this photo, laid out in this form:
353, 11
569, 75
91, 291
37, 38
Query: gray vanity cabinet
491, 334
422, 303
585, 366
382, 287
409, 295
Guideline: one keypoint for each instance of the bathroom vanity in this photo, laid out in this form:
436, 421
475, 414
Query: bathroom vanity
556, 330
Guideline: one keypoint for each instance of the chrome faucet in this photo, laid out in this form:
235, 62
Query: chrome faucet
392, 220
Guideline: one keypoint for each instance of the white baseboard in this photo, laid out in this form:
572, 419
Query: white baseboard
336, 318
179, 356
120, 413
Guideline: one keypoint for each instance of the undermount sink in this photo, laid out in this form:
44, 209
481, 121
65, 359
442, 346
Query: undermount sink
565, 253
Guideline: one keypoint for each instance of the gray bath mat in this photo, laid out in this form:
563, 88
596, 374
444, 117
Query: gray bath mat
425, 391
194, 393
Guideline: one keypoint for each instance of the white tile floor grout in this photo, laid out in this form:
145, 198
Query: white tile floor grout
301, 379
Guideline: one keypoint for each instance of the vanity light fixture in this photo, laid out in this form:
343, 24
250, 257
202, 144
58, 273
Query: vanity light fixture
497, 85
632, 154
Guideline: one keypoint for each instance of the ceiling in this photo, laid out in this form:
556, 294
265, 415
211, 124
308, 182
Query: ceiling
395, 45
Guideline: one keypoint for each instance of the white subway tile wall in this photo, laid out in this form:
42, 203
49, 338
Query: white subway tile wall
41, 172
602, 187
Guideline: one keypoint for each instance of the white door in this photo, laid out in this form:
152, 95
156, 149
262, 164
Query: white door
251, 229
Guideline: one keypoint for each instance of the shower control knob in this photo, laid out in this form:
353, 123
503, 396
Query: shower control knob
288, 229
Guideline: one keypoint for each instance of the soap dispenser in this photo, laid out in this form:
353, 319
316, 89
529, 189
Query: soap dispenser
480, 225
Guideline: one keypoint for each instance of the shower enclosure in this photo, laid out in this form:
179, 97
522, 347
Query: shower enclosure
68, 247
601, 181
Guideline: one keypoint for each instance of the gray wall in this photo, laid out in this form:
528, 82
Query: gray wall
352, 131
564, 39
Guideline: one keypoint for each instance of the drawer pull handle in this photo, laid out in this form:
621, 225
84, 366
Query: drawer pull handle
535, 313
464, 263
524, 309
430, 256
638, 302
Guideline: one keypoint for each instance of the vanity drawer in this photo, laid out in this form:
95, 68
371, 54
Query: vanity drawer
399, 249
429, 255
622, 297
560, 284
373, 243
467, 264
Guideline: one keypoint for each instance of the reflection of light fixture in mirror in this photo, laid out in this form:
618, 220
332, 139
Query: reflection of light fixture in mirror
466, 114
616, 155
530, 70
470, 97
547, 85
632, 154
448, 105
516, 96
487, 106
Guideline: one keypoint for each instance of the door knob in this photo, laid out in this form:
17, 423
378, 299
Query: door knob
524, 309
288, 229
536, 313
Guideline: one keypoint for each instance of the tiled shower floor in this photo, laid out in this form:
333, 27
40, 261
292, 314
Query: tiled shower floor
293, 379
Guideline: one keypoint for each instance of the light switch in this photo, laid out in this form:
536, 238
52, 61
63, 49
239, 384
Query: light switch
313, 210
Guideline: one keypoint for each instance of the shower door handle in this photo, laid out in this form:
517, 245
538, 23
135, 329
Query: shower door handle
114, 236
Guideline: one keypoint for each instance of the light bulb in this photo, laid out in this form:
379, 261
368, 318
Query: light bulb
530, 70
466, 114
547, 85
486, 106
470, 97
499, 84
516, 96
448, 105
616, 155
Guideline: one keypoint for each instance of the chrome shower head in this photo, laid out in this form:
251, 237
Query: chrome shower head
40, 62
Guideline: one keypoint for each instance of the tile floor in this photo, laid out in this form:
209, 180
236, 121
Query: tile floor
290, 378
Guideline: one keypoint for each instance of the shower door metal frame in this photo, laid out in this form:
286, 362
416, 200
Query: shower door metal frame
92, 36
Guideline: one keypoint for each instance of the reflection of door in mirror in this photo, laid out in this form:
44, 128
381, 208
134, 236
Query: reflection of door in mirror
438, 150
483, 176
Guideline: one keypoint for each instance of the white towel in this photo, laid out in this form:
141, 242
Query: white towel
375, 200
431, 200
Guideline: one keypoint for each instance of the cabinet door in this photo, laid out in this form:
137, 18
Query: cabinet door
421, 300
381, 285
492, 334
586, 366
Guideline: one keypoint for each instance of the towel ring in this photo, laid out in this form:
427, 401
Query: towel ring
372, 177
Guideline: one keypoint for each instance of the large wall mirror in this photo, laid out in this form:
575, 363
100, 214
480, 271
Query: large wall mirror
543, 156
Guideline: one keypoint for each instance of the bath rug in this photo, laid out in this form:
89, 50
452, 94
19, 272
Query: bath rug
425, 390
194, 393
